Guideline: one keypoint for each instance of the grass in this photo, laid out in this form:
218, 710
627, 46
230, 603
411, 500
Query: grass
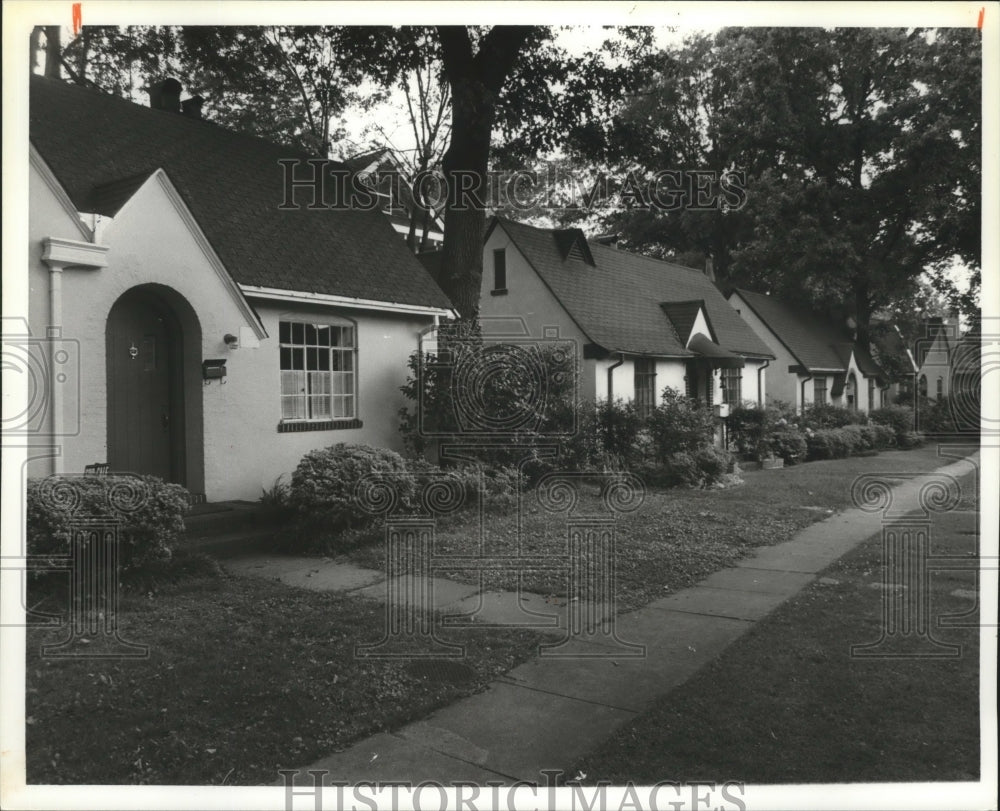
805, 711
676, 538
244, 677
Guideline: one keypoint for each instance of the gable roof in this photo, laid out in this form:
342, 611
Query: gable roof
617, 301
816, 343
99, 147
683, 315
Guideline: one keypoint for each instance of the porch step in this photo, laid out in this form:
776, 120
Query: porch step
227, 528
230, 544
217, 518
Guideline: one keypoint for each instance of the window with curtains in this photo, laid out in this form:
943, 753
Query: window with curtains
819, 390
645, 386
732, 386
318, 371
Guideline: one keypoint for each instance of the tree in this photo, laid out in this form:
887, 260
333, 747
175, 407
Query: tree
861, 150
290, 83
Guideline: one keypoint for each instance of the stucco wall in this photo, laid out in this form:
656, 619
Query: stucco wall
47, 217
151, 243
936, 365
780, 383
385, 341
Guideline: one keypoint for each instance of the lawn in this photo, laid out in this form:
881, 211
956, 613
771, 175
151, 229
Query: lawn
805, 711
244, 677
247, 676
677, 537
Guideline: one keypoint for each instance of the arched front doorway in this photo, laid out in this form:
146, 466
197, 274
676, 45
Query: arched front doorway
852, 392
146, 414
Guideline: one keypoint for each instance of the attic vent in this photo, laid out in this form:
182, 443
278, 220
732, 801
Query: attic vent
572, 244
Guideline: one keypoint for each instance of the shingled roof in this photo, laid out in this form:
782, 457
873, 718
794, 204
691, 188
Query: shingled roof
817, 344
100, 147
618, 300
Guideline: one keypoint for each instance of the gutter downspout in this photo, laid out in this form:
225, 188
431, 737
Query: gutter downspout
58, 254
55, 391
760, 396
611, 376
802, 399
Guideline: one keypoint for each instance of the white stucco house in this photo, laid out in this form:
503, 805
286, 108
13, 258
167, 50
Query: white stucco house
815, 361
189, 326
639, 324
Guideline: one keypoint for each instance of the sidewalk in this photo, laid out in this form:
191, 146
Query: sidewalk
550, 711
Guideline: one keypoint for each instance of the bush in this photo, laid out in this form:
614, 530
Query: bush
713, 463
618, 426
897, 417
910, 440
507, 389
935, 416
680, 425
322, 488
788, 443
885, 436
747, 426
497, 488
827, 415
151, 512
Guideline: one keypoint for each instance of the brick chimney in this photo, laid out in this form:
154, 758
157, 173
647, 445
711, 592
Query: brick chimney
165, 95
192, 107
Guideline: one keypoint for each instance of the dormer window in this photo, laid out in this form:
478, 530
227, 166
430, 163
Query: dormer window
499, 271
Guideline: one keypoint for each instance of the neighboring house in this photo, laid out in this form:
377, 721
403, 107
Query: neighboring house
199, 332
896, 360
934, 355
815, 360
640, 324
389, 178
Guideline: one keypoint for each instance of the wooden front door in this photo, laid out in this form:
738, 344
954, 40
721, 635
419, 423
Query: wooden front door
142, 353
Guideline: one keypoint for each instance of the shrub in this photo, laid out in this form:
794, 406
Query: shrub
322, 489
885, 436
680, 424
618, 425
747, 426
713, 463
910, 440
505, 391
827, 415
497, 488
935, 416
150, 510
681, 470
788, 443
854, 439
275, 503
897, 417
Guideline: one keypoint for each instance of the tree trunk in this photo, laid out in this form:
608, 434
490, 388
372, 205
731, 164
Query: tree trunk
53, 52
465, 165
34, 43
475, 82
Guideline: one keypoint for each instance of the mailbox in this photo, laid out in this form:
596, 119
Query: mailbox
213, 369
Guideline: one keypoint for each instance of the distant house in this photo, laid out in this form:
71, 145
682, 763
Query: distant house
191, 328
640, 324
934, 353
815, 360
389, 179
896, 360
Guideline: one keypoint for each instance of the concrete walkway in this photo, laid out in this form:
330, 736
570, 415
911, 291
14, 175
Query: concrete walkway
550, 711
